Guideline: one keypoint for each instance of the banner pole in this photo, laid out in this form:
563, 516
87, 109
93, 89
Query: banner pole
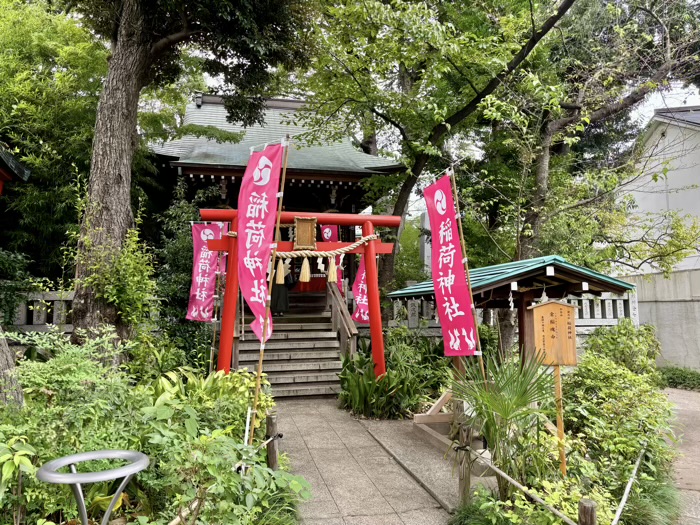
273, 256
466, 269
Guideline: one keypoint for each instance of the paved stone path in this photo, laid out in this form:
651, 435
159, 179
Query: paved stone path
688, 465
354, 481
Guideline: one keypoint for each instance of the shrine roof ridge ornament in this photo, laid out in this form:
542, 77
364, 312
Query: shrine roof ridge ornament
490, 277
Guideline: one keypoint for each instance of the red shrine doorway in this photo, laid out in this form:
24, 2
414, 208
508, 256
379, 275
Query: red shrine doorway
371, 249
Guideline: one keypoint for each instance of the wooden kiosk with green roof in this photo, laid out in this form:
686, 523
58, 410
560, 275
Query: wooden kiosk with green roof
519, 284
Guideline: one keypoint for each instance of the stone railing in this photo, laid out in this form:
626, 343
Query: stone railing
40, 310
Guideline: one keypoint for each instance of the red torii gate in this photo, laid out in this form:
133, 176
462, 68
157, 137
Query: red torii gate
370, 250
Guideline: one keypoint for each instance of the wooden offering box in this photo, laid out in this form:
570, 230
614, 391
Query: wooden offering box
555, 333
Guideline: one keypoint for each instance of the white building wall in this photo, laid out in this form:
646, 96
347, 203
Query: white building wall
672, 180
673, 307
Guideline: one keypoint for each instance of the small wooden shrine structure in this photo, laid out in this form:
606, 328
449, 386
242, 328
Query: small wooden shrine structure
518, 285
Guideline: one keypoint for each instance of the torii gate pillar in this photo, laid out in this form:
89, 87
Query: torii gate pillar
375, 311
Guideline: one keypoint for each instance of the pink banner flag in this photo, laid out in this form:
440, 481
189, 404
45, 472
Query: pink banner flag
452, 298
329, 233
257, 212
204, 269
359, 290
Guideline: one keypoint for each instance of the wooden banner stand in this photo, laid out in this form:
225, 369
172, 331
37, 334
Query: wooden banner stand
555, 340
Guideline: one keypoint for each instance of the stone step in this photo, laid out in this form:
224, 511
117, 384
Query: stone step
294, 326
306, 389
315, 377
281, 355
302, 366
297, 334
283, 344
295, 317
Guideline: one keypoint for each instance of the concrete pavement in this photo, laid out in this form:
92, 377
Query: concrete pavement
687, 467
354, 481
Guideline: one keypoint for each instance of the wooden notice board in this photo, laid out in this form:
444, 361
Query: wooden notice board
555, 332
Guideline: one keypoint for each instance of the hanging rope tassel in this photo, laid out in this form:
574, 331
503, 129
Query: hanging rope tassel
332, 271
305, 275
280, 272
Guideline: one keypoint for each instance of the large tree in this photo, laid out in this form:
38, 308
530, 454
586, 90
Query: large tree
240, 42
414, 73
559, 155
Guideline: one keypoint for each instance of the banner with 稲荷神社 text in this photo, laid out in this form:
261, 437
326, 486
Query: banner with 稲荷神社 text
359, 290
452, 298
257, 212
204, 269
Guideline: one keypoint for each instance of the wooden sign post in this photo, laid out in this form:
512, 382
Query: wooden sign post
555, 341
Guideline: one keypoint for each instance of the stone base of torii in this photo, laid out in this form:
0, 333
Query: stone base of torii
370, 251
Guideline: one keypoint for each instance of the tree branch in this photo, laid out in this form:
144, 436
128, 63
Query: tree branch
439, 131
169, 41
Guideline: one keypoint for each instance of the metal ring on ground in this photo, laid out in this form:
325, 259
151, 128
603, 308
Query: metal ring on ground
49, 472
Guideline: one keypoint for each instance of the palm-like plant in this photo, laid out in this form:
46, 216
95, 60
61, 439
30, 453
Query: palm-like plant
504, 410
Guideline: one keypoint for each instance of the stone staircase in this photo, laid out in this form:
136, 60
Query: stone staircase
302, 358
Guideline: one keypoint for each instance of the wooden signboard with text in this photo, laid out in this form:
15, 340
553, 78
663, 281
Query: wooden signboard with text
555, 333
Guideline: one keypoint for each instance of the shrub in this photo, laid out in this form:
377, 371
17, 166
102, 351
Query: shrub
190, 426
395, 395
503, 410
417, 371
684, 378
618, 411
634, 348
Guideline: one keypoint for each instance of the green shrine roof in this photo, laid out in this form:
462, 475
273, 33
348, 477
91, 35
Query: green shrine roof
334, 157
12, 165
490, 277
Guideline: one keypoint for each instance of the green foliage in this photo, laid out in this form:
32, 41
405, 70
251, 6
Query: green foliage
478, 511
654, 503
611, 414
241, 41
417, 371
125, 278
417, 367
678, 377
634, 348
503, 410
393, 396
14, 282
191, 426
175, 275
408, 264
51, 72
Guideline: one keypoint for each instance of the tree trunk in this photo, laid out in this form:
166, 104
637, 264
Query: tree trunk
10, 390
506, 330
386, 271
108, 214
529, 242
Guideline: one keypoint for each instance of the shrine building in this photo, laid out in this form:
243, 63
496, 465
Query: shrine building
324, 184
320, 178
